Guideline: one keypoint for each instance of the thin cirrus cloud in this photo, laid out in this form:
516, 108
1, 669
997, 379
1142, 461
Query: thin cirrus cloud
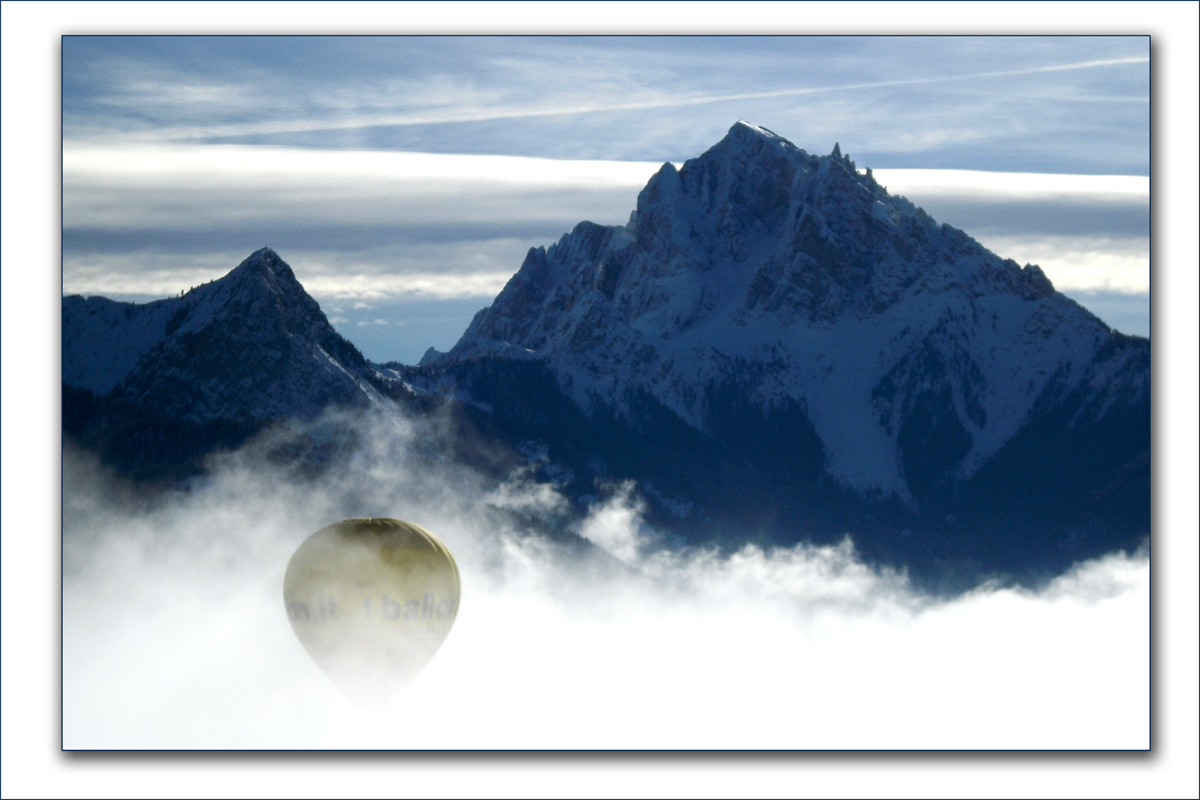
471, 112
967, 100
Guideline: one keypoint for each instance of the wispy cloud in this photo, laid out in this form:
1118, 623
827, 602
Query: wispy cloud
475, 269
642, 98
466, 111
443, 285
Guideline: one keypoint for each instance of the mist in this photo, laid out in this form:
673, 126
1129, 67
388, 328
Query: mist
575, 629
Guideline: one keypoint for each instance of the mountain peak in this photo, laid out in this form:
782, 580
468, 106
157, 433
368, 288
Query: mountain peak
263, 256
757, 252
773, 347
743, 128
751, 140
212, 366
264, 261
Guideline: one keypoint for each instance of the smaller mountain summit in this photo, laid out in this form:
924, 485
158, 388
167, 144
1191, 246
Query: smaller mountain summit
251, 346
210, 367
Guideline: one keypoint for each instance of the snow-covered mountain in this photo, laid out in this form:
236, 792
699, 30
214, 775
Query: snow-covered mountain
767, 300
774, 349
212, 366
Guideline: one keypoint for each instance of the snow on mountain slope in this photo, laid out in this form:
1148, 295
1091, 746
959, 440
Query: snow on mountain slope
251, 346
103, 339
915, 352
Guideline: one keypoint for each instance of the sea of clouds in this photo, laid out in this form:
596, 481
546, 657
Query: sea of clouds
175, 633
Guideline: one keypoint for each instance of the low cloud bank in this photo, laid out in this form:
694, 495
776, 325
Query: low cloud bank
401, 227
1088, 233
378, 224
175, 633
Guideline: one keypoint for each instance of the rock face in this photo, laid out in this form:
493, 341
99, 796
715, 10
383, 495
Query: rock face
154, 385
775, 345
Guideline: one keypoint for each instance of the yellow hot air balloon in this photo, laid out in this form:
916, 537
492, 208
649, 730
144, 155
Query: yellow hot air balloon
371, 600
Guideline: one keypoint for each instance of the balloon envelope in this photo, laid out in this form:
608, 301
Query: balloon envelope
371, 600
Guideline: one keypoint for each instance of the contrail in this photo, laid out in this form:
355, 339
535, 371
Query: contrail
483, 115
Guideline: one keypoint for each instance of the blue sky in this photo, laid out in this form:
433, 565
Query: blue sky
404, 178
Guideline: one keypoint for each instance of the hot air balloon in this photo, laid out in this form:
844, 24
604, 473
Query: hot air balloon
371, 600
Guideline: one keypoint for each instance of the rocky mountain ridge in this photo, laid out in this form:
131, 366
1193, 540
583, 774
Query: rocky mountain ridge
795, 280
159, 384
774, 349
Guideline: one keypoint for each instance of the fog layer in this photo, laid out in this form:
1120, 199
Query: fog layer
175, 633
